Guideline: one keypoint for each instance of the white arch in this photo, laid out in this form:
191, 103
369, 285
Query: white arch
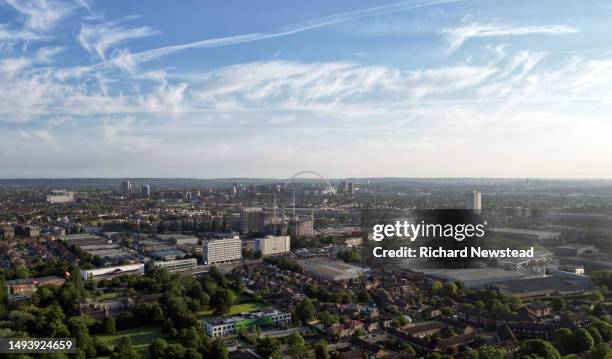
329, 185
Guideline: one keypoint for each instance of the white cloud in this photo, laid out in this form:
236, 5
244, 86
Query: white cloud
41, 15
99, 38
468, 30
10, 35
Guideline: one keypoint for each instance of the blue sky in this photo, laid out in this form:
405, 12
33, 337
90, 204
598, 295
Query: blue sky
426, 88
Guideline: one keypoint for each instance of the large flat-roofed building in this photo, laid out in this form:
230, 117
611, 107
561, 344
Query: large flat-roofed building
178, 239
573, 249
109, 272
60, 196
84, 239
272, 245
225, 250
178, 265
331, 270
168, 254
527, 234
474, 277
27, 286
220, 326
557, 284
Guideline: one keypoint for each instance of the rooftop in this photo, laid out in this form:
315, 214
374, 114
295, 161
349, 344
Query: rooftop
242, 316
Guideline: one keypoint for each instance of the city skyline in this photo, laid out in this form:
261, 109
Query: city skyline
426, 88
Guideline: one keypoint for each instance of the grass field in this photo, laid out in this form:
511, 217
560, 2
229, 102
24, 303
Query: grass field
108, 295
250, 306
141, 338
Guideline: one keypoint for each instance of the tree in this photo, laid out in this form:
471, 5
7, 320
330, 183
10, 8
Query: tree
583, 341
436, 286
564, 339
157, 348
297, 347
124, 350
192, 353
218, 350
449, 290
490, 352
364, 296
222, 301
267, 347
595, 334
539, 348
601, 351
558, 304
320, 350
604, 329
305, 311
174, 351
596, 297
108, 325
79, 331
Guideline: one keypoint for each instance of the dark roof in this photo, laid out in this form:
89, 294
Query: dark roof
454, 322
504, 333
524, 286
426, 327
455, 340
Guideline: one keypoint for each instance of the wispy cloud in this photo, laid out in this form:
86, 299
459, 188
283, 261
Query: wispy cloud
41, 15
10, 35
98, 38
459, 35
124, 57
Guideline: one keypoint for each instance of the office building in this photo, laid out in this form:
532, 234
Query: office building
225, 250
273, 245
7, 232
28, 230
221, 326
301, 227
126, 188
110, 272
145, 191
61, 196
252, 220
178, 265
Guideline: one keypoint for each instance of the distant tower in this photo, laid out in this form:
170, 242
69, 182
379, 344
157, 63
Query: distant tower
474, 201
126, 188
146, 191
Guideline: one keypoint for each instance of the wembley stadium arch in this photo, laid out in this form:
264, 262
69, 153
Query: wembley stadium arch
324, 180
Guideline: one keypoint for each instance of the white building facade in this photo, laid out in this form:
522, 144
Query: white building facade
224, 250
272, 245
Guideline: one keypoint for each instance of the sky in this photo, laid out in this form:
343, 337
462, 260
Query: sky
211, 89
